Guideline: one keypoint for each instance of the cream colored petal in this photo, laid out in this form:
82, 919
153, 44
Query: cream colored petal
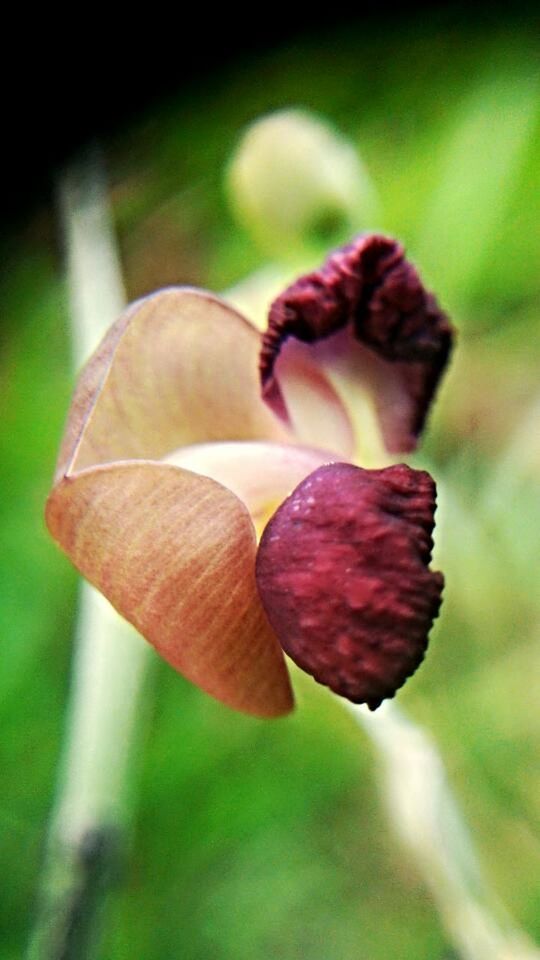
178, 367
261, 474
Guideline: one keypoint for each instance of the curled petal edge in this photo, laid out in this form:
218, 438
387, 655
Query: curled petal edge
363, 319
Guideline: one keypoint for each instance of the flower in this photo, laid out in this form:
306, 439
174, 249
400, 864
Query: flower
172, 451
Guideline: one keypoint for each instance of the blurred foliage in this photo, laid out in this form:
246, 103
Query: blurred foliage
253, 839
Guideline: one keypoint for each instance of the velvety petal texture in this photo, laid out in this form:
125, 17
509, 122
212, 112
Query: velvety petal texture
398, 340
173, 550
342, 571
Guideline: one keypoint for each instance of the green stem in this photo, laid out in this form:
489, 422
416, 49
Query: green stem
88, 827
425, 815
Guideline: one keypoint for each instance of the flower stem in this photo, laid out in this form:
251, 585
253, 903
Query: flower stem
88, 827
426, 817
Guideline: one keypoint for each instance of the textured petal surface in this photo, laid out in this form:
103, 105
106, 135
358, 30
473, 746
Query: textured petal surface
174, 552
178, 367
370, 289
342, 571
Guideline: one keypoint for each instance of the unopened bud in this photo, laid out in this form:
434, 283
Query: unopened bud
295, 184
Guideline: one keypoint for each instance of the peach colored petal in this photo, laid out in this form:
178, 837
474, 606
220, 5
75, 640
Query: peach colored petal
178, 367
260, 474
174, 552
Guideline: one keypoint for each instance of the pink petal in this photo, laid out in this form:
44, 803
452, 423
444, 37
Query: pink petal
174, 553
310, 401
342, 571
259, 474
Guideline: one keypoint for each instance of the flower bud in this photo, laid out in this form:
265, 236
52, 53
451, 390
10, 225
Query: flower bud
295, 183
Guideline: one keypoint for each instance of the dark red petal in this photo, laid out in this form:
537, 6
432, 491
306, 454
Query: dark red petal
342, 571
371, 286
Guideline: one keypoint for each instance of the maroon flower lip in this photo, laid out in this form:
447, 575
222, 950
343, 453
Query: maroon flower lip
370, 288
342, 572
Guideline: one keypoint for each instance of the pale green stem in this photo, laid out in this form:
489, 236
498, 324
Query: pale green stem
87, 829
425, 815
95, 284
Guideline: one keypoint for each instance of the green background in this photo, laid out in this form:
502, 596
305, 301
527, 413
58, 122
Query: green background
254, 840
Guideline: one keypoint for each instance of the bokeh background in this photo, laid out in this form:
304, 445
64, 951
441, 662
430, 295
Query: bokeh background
255, 840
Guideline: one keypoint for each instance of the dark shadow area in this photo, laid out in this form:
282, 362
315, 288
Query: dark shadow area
77, 82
